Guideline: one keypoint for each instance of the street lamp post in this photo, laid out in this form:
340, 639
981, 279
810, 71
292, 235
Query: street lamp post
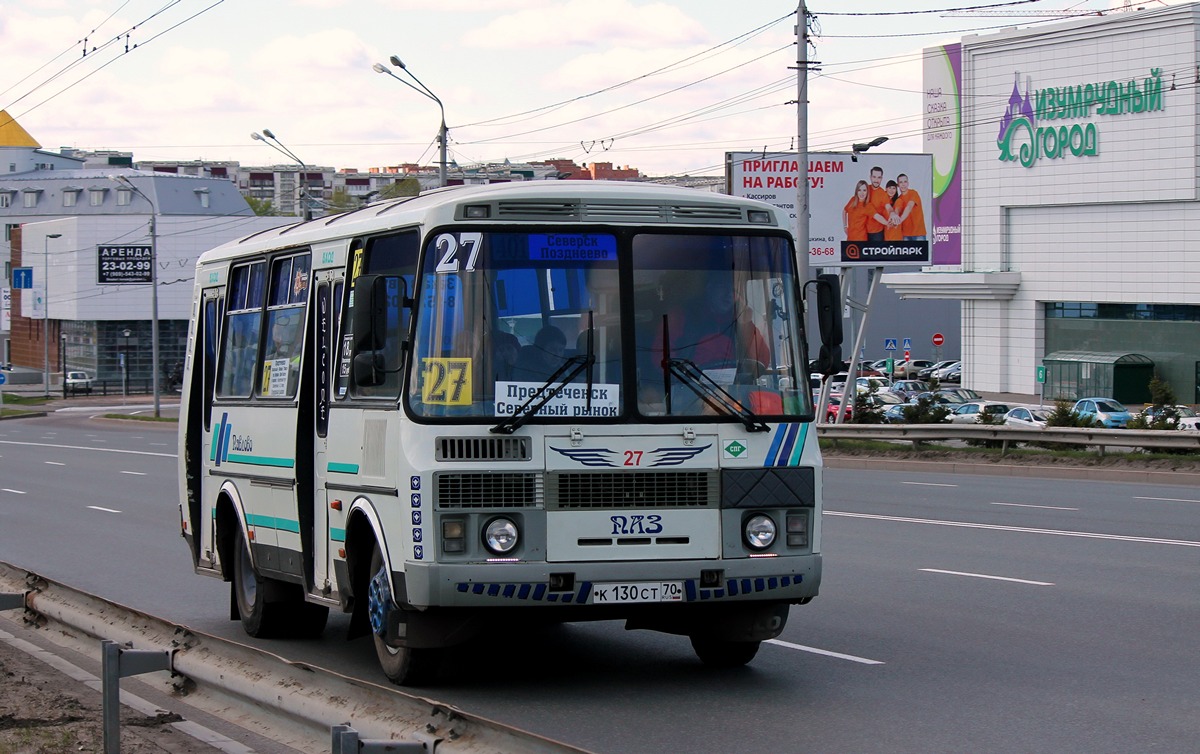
154, 370
46, 314
424, 91
278, 146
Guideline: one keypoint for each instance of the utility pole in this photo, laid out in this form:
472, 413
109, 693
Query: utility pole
802, 245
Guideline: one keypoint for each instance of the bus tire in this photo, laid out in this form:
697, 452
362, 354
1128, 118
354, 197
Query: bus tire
403, 666
260, 618
722, 653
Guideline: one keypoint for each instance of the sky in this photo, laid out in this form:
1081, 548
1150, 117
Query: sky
664, 86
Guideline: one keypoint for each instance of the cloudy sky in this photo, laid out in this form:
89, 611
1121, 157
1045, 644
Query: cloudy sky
666, 86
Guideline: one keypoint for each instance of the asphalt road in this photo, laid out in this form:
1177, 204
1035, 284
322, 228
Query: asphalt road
958, 613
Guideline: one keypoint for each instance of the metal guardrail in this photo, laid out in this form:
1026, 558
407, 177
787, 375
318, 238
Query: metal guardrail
1149, 439
227, 671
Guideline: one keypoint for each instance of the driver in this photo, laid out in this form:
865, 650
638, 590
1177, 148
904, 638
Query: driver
714, 328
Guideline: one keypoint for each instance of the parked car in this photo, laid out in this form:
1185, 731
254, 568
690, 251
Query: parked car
894, 414
966, 393
943, 397
969, 413
929, 371
879, 383
952, 373
1106, 411
1023, 416
79, 382
835, 404
908, 388
1185, 416
909, 369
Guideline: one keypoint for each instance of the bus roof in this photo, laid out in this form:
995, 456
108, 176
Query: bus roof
591, 202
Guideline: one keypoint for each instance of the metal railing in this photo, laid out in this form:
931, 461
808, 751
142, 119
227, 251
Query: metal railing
1148, 439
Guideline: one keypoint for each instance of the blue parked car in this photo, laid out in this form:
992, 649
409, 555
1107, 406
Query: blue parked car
1106, 411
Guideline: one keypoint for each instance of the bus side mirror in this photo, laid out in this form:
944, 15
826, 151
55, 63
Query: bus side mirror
378, 302
829, 320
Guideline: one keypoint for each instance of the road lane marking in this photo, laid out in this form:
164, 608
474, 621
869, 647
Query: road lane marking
826, 652
106, 510
1043, 507
84, 447
134, 473
15, 492
53, 463
930, 484
1168, 499
986, 576
1021, 529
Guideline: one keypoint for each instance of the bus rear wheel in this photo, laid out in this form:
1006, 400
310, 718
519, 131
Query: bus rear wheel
403, 666
721, 653
269, 608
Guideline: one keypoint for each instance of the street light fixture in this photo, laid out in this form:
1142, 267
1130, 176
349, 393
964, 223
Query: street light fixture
154, 369
278, 146
425, 92
46, 314
857, 149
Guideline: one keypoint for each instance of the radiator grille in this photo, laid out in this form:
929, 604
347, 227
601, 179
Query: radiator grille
650, 489
483, 449
489, 490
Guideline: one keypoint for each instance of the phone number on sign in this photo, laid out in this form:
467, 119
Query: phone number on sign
125, 266
822, 251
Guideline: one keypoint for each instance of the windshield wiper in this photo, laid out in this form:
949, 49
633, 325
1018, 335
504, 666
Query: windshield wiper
715, 396
552, 387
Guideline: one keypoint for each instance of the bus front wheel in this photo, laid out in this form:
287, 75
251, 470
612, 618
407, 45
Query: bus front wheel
722, 653
403, 666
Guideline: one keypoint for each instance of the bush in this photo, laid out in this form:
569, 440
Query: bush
925, 411
866, 411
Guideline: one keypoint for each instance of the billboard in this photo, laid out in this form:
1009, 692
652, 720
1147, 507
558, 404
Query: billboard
943, 139
864, 212
124, 264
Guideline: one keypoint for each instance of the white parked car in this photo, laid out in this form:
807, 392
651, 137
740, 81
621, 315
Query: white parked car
1186, 417
969, 413
1023, 416
79, 382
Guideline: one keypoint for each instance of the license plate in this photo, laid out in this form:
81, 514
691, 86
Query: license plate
637, 591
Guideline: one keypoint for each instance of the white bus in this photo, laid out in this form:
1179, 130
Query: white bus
543, 401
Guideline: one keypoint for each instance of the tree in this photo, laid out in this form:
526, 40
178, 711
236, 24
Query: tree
401, 188
341, 201
262, 207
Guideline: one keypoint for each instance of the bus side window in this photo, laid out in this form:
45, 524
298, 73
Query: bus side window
243, 323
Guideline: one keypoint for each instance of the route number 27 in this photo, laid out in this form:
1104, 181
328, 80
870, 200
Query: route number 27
449, 246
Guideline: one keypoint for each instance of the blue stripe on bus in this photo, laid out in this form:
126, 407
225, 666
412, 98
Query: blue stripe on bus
691, 589
279, 463
272, 522
788, 443
778, 438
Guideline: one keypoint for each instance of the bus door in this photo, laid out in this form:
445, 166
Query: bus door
201, 437
326, 318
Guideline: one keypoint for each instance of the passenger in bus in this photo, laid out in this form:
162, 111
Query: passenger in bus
540, 360
505, 350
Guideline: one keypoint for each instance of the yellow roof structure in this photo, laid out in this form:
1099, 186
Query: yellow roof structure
12, 135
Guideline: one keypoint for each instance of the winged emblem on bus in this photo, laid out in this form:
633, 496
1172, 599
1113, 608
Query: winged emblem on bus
588, 456
609, 458
674, 456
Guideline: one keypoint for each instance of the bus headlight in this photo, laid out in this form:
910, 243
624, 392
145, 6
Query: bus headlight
759, 531
500, 535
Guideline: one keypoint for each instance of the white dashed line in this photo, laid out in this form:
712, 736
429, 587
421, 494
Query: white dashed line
1043, 507
929, 484
53, 463
825, 652
105, 510
134, 473
986, 576
1168, 499
15, 492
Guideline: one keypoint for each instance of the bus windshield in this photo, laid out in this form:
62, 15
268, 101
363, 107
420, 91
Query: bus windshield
599, 325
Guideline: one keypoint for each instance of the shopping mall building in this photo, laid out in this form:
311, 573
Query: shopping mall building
1067, 201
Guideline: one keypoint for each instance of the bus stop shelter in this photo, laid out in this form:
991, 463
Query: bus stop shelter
1122, 376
